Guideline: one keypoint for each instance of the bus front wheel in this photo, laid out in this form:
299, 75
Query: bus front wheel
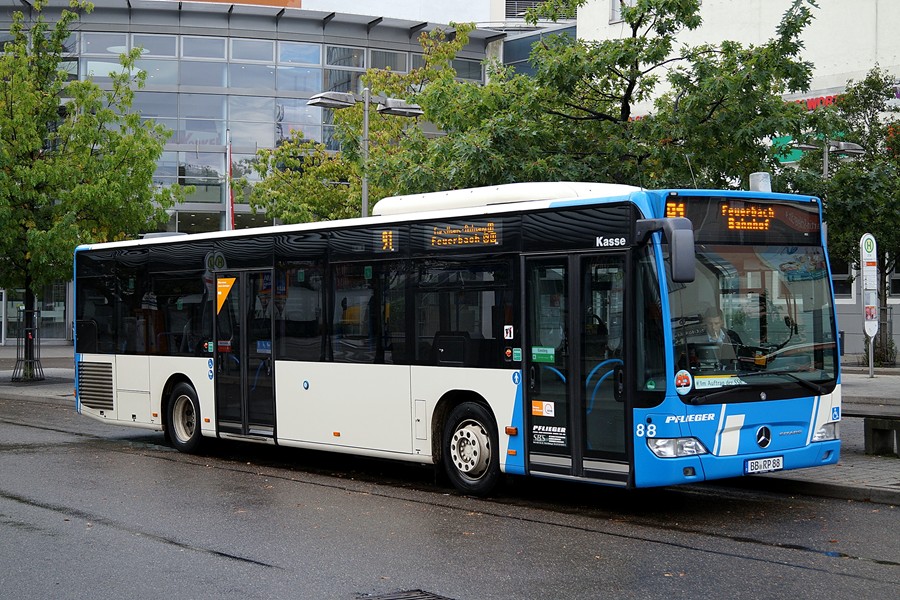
470, 449
184, 418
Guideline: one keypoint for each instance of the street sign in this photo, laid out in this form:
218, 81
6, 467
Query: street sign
868, 261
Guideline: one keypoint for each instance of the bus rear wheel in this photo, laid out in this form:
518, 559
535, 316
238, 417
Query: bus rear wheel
184, 418
470, 449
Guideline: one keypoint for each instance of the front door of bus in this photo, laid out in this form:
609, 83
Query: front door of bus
574, 366
245, 400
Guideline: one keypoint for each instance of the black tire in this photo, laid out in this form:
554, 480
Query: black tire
470, 449
183, 419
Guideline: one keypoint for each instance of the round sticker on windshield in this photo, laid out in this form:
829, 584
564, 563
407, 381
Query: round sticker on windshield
683, 382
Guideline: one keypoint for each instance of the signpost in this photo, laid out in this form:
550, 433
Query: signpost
868, 262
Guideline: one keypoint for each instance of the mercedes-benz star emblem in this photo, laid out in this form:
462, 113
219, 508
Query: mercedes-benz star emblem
763, 437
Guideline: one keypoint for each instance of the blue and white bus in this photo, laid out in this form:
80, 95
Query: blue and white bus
592, 332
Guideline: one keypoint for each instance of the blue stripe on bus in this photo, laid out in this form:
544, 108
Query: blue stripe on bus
515, 461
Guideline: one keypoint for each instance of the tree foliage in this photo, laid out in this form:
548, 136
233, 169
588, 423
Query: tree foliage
75, 165
302, 181
593, 111
726, 105
861, 193
640, 109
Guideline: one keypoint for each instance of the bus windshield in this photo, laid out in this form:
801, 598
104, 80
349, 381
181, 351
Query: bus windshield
755, 324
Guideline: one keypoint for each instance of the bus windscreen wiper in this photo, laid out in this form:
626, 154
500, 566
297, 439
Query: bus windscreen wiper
706, 397
810, 385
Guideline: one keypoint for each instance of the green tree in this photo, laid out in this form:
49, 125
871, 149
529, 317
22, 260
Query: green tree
578, 117
75, 165
300, 181
861, 193
726, 105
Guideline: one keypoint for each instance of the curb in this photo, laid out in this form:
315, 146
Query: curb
55, 399
819, 489
885, 371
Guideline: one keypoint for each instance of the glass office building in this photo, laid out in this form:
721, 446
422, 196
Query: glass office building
218, 71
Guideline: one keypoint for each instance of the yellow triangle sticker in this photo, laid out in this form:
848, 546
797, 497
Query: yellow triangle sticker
223, 287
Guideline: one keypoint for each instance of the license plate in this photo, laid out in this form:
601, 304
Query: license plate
764, 465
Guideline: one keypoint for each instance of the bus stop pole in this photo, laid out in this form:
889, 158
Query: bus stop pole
872, 357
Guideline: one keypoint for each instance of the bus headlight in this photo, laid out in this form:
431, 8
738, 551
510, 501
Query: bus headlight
827, 432
676, 447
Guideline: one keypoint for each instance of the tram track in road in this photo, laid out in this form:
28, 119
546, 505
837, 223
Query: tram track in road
405, 487
577, 507
662, 497
453, 501
95, 519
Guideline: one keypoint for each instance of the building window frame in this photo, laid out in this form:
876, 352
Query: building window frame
843, 280
250, 42
188, 39
375, 54
615, 10
118, 43
282, 52
136, 43
357, 52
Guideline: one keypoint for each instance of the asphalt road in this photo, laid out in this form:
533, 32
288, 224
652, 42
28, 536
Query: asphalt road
93, 511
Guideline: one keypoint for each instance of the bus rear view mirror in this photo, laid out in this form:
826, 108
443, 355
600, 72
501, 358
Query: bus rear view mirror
679, 233
681, 246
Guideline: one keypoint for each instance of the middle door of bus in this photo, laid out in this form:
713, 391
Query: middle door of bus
245, 399
574, 377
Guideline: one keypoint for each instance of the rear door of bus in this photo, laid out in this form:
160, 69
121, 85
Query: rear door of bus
245, 399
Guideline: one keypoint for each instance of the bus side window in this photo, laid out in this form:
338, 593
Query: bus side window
351, 292
461, 309
369, 319
177, 314
94, 333
299, 311
650, 367
393, 313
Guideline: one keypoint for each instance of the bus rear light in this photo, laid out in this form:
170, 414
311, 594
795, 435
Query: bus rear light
676, 447
512, 430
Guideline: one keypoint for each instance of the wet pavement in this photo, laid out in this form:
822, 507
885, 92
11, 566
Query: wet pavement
857, 476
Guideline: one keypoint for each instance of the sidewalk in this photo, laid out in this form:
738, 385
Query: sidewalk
856, 477
58, 363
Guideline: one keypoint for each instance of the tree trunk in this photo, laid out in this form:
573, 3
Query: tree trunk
885, 351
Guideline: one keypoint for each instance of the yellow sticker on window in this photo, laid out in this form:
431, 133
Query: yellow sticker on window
223, 287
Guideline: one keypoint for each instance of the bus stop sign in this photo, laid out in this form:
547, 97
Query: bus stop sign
868, 261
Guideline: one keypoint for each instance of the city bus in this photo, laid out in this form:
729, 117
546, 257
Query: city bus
593, 332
